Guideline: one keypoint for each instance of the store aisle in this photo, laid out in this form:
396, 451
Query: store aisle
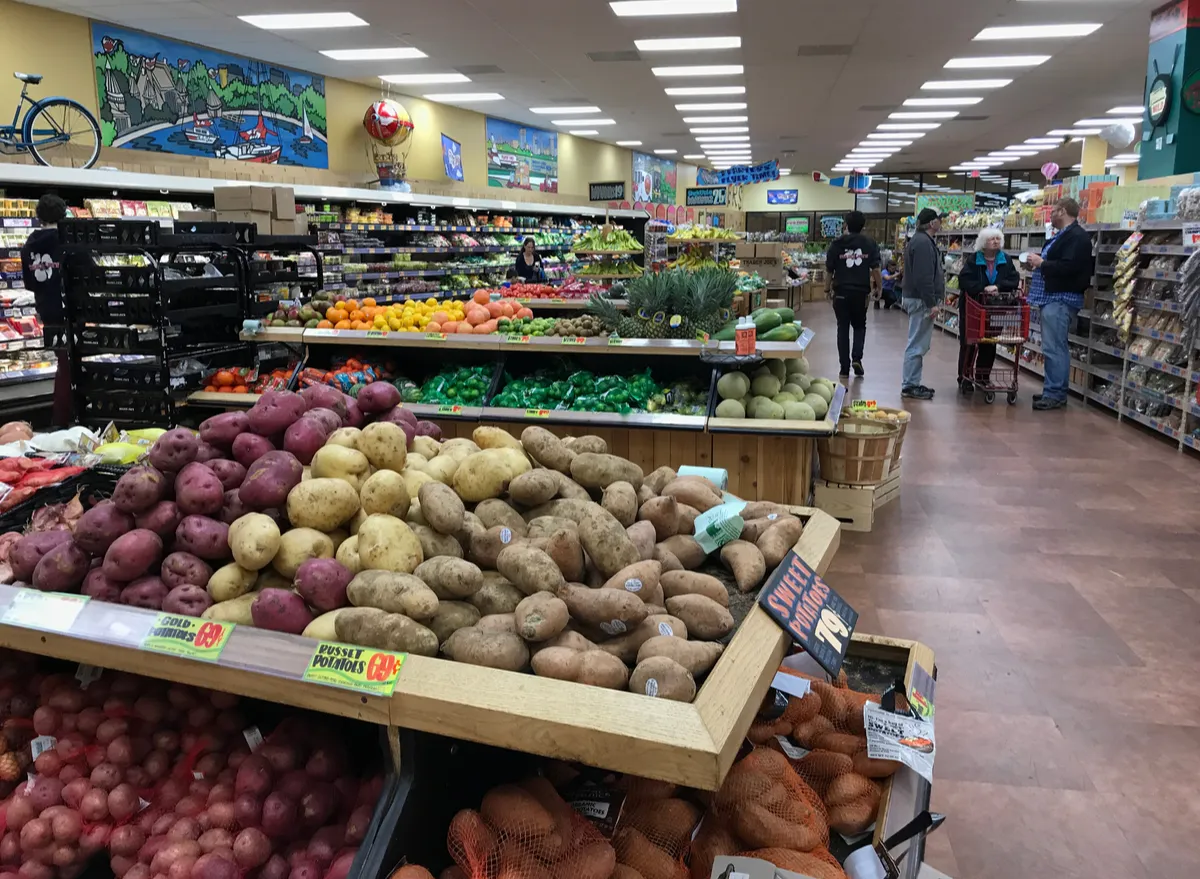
1051, 560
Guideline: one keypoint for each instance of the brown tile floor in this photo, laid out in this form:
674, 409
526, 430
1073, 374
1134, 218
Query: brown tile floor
1052, 561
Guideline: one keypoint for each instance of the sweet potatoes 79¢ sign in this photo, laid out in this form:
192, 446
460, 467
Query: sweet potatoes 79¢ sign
818, 619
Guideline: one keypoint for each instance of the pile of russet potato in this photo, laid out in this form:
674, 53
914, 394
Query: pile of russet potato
537, 553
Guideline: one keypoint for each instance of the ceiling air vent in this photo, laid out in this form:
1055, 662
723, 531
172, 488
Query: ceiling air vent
823, 51
478, 69
622, 55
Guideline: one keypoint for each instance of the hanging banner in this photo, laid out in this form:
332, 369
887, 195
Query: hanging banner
743, 174
706, 196
706, 177
452, 158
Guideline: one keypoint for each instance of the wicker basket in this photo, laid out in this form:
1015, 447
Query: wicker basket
903, 416
860, 453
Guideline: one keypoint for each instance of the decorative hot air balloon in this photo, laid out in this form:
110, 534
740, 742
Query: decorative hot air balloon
1049, 171
387, 122
1119, 135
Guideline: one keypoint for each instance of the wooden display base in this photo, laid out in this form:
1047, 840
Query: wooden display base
855, 505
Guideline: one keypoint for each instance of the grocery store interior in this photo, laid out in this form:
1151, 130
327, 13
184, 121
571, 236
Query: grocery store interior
649, 439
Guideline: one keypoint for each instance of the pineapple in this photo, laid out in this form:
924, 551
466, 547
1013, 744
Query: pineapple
681, 313
614, 321
654, 307
714, 299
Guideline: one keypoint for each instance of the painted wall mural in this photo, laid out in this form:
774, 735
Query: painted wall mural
165, 96
521, 156
655, 180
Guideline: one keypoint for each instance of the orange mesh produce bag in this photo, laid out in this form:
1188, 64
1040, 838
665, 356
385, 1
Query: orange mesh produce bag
527, 831
654, 832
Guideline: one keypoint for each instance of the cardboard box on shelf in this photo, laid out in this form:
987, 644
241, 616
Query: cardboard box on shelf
769, 250
297, 225
204, 216
243, 198
284, 203
260, 218
770, 269
745, 249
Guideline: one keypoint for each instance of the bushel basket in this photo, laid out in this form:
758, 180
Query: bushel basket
860, 453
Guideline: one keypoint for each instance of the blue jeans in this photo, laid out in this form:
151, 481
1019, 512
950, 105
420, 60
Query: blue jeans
1057, 320
920, 335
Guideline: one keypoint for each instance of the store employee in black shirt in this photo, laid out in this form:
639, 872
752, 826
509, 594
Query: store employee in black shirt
852, 265
41, 268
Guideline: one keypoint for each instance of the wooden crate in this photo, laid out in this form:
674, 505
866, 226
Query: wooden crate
855, 505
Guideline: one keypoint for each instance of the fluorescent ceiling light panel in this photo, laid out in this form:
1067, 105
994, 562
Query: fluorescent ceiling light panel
1132, 120
1126, 111
1073, 132
783, 172
955, 85
714, 120
699, 70
1036, 31
925, 114
1001, 154
694, 156
700, 90
1022, 150
1127, 156
942, 102
299, 21
396, 54
465, 97
689, 108
686, 44
672, 7
629, 143
583, 132
665, 152
899, 136
996, 62
583, 121
721, 129
563, 111
423, 78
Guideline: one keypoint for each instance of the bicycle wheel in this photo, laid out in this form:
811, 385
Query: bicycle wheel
62, 133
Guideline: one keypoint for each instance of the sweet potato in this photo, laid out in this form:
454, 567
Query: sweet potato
669, 821
605, 541
625, 647
778, 540
541, 616
275, 411
203, 537
663, 514
564, 548
663, 678
146, 592
641, 579
696, 656
249, 447
746, 562
174, 450
514, 811
140, 488
676, 583
62, 569
864, 765
600, 471
685, 548
97, 528
659, 478
687, 518
693, 491
642, 535
615, 611
221, 430
704, 617
529, 569
131, 555
635, 851
198, 491
620, 499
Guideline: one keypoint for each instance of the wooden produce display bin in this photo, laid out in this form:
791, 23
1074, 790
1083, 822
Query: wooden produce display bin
855, 506
691, 744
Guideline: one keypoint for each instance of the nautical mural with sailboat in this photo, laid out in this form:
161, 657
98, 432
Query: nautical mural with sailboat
165, 96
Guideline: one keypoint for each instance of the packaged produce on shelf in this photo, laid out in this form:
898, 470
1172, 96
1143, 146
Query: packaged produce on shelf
348, 374
414, 285
670, 305
749, 283
467, 386
778, 390
20, 477
393, 539
594, 239
579, 288
583, 391
248, 380
158, 779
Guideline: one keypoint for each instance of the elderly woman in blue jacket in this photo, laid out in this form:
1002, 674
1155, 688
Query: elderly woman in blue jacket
984, 276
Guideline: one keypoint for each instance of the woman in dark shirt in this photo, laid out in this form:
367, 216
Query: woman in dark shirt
529, 263
985, 274
41, 268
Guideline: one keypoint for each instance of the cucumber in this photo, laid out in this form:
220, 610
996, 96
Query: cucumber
785, 333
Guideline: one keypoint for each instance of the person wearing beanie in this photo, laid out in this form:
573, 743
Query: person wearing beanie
924, 288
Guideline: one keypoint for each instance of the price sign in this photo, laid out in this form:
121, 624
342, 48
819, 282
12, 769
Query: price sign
376, 334
574, 340
1191, 234
194, 638
817, 618
361, 669
50, 611
864, 406
615, 341
449, 410
557, 300
435, 337
537, 413
516, 340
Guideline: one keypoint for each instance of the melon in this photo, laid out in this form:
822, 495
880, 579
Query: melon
794, 389
804, 381
733, 386
796, 365
778, 369
799, 412
819, 404
731, 409
823, 391
783, 398
768, 410
766, 386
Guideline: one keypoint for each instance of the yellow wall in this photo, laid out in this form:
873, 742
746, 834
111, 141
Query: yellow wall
58, 46
812, 196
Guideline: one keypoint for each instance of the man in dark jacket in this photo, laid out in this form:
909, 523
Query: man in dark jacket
852, 266
924, 288
1061, 274
41, 269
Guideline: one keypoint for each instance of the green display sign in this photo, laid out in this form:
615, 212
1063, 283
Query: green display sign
796, 225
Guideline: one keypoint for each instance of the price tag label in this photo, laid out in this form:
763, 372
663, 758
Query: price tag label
864, 406
537, 413
1191, 234
435, 337
177, 635
574, 340
449, 410
376, 334
615, 341
361, 669
516, 340
804, 605
558, 300
50, 611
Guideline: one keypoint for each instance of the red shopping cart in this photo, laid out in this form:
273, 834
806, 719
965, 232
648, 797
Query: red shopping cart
1001, 319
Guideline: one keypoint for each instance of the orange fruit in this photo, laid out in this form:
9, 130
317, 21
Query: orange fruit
342, 324
369, 302
331, 313
241, 389
465, 327
325, 324
448, 326
433, 327
211, 389
224, 379
357, 315
350, 305
481, 297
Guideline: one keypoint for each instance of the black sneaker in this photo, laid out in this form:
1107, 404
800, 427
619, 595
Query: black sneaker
1037, 397
858, 368
917, 393
1045, 404
929, 391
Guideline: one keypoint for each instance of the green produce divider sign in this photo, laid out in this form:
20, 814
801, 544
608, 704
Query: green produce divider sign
179, 635
361, 669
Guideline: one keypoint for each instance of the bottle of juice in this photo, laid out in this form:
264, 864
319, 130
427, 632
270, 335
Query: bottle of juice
745, 337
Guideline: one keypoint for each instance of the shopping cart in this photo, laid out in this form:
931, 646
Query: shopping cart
998, 319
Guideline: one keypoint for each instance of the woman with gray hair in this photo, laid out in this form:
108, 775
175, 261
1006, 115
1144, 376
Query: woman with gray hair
984, 276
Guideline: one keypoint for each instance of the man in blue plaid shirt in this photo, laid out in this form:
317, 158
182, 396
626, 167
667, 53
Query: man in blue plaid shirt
1061, 273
